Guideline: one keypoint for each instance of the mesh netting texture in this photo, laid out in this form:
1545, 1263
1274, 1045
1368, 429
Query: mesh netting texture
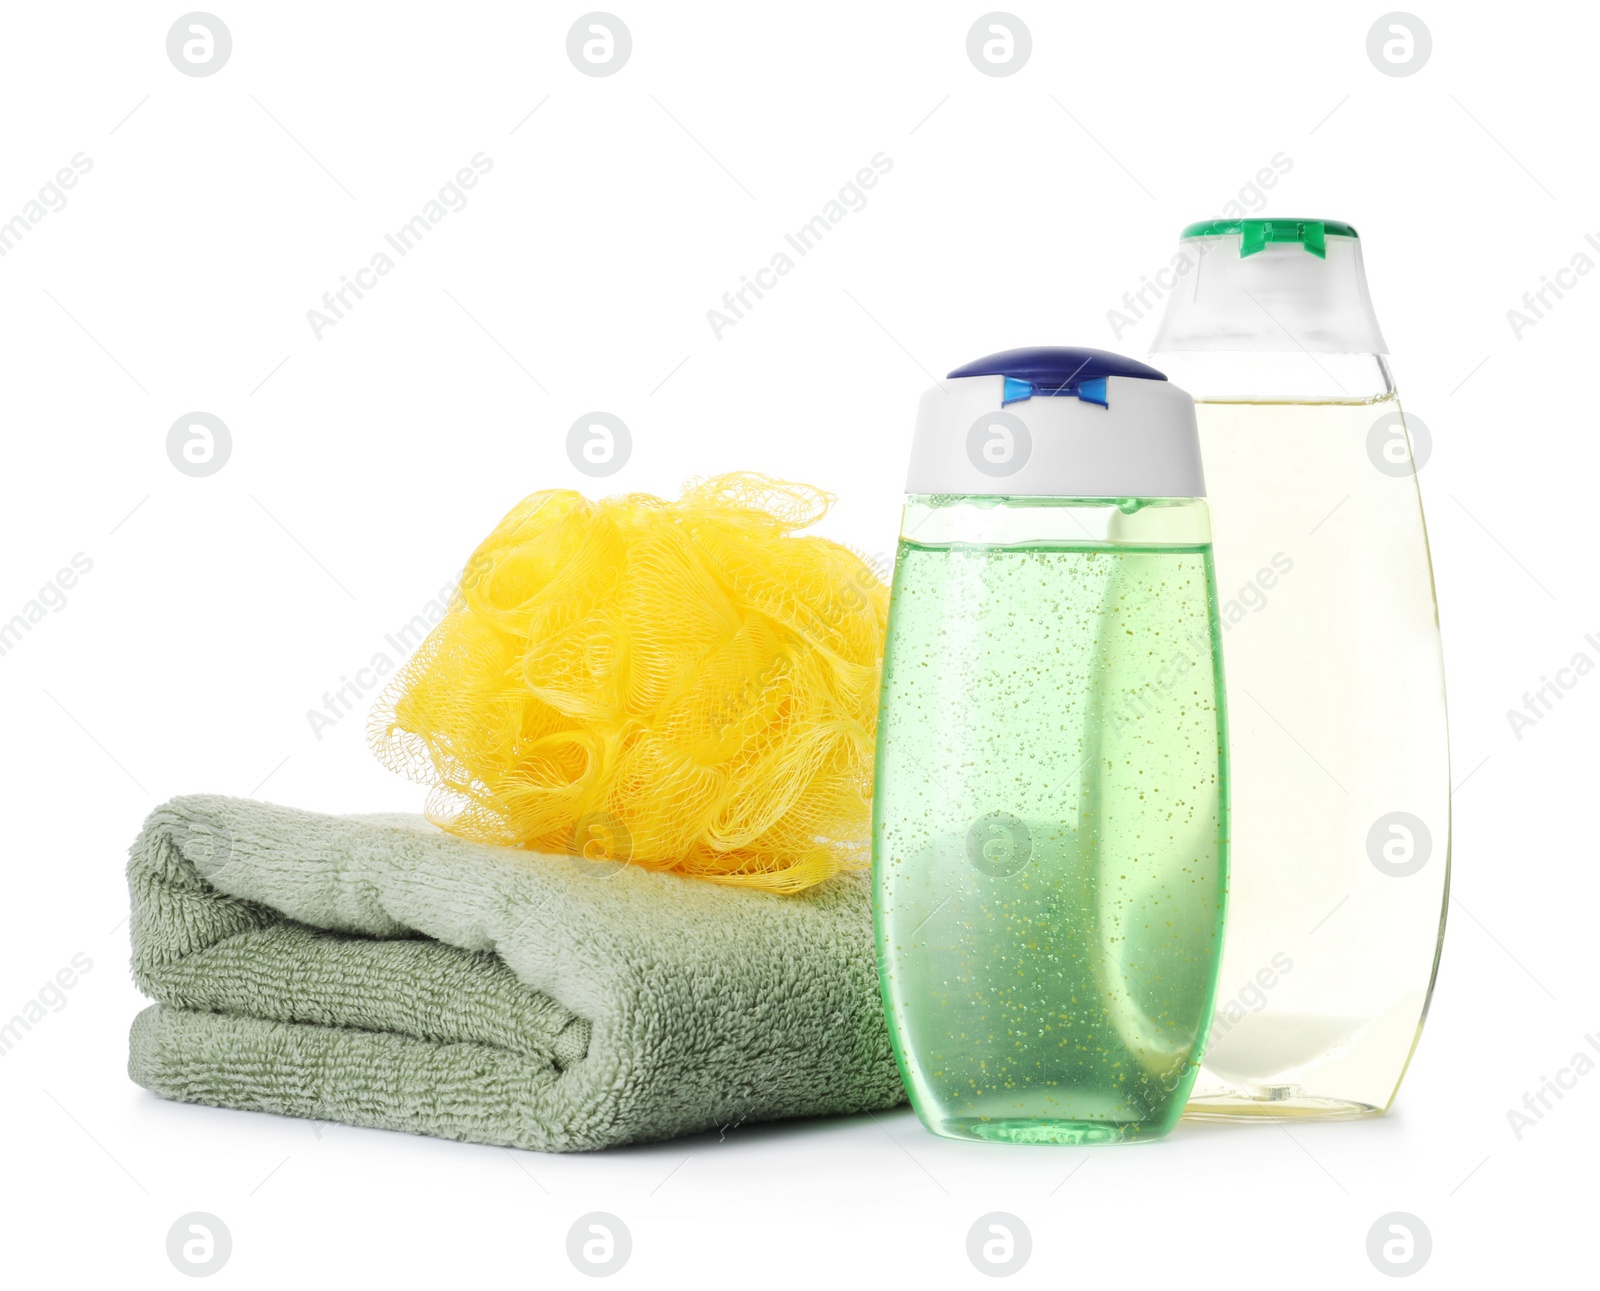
682, 685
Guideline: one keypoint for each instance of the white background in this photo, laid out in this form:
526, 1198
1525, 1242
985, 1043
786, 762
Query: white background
366, 465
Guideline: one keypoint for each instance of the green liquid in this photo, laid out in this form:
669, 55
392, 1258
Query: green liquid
1049, 836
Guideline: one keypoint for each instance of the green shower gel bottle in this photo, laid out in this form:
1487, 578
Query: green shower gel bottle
1050, 813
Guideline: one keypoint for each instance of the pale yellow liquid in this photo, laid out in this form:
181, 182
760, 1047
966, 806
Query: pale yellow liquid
1335, 698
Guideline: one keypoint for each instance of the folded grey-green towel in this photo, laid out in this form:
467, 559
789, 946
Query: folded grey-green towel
376, 971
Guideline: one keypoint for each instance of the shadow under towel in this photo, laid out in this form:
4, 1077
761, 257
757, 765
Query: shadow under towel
376, 971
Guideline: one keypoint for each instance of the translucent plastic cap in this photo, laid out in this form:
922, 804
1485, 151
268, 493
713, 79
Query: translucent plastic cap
1056, 422
1265, 285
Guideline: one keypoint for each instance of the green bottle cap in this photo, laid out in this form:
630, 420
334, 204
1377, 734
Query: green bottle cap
1255, 234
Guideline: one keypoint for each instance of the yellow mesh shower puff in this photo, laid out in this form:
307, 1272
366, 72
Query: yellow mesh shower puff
681, 685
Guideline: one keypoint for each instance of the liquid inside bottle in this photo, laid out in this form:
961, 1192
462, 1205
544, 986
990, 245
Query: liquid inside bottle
1049, 815
1338, 748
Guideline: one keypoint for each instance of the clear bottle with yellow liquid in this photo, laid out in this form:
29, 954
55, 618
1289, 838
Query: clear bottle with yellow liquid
1335, 681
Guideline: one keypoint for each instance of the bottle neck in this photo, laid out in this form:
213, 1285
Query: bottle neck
1266, 376
943, 520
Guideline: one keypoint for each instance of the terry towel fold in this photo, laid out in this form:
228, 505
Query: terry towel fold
375, 971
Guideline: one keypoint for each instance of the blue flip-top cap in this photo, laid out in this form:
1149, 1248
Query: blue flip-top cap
1057, 370
1080, 423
